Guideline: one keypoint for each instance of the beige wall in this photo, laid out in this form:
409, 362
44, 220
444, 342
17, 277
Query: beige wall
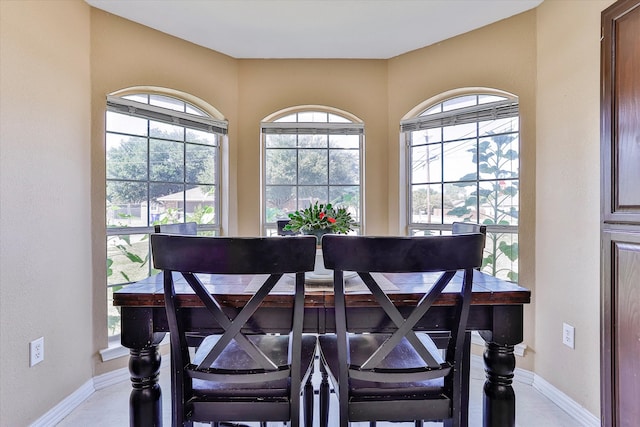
568, 197
355, 86
50, 73
45, 171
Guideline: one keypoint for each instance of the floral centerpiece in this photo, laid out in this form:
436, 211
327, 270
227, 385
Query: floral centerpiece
320, 219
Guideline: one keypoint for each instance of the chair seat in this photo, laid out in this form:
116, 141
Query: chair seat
403, 356
234, 357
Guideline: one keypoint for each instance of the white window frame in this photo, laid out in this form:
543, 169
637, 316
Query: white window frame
417, 120
196, 115
337, 122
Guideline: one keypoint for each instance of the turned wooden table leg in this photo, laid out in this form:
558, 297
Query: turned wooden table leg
145, 403
324, 396
499, 400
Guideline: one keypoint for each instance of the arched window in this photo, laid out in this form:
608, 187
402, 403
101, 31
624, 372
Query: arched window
162, 167
310, 154
462, 157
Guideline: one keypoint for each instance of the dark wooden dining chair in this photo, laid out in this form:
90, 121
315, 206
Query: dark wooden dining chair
469, 227
393, 373
181, 228
236, 373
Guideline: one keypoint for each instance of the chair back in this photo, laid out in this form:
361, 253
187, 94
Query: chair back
181, 228
469, 227
191, 259
382, 358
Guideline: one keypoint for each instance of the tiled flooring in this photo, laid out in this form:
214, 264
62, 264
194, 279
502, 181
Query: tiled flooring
109, 407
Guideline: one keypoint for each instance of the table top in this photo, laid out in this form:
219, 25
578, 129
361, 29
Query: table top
236, 290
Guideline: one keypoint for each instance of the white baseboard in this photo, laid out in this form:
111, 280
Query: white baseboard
75, 399
571, 407
564, 402
66, 406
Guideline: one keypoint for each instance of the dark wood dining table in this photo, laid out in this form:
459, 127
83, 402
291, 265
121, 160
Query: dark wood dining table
496, 313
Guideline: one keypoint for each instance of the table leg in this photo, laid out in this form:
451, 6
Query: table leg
499, 400
145, 404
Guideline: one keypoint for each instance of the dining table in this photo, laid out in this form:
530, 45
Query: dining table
496, 313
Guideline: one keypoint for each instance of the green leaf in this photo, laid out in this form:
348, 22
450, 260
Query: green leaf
511, 251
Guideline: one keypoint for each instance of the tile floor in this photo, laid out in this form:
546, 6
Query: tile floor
109, 407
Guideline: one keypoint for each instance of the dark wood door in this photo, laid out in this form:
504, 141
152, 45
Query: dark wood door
620, 140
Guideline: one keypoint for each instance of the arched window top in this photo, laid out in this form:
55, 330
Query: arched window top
311, 114
461, 109
170, 96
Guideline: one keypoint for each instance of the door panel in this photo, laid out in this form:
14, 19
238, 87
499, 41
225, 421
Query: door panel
620, 142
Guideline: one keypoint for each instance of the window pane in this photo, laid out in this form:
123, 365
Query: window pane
195, 111
313, 141
126, 204
333, 118
281, 141
312, 193
166, 131
492, 127
500, 157
450, 133
486, 99
344, 141
313, 116
499, 202
280, 167
126, 157
201, 204
143, 98
347, 197
426, 136
459, 162
200, 164
123, 123
459, 102
290, 118
166, 161
426, 164
129, 255
280, 200
312, 167
166, 102
459, 202
426, 203
344, 167
167, 203
201, 137
433, 110
501, 256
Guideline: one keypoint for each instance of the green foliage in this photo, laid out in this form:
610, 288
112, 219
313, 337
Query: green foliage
499, 186
321, 217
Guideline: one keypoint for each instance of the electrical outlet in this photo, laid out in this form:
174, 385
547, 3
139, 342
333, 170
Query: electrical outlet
36, 351
568, 334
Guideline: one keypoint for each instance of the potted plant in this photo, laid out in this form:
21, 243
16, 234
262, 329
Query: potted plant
320, 219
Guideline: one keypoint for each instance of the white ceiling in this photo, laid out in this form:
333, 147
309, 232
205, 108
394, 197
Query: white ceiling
379, 29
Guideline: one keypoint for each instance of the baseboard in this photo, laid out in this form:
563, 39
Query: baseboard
571, 407
66, 406
75, 399
564, 402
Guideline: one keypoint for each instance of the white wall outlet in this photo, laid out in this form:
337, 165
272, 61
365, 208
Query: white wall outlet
36, 351
568, 334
